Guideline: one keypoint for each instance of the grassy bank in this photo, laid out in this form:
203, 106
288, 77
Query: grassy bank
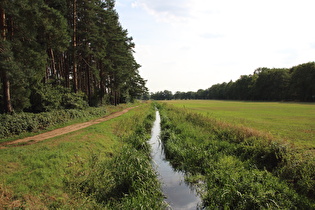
235, 167
293, 122
103, 166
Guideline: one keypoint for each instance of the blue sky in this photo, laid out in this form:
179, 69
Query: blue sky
186, 45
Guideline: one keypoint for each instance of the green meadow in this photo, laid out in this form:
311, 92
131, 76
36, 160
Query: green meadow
292, 122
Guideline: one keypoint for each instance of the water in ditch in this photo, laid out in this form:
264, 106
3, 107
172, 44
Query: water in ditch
179, 195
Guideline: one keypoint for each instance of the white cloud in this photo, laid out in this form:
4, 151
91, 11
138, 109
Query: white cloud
211, 36
165, 10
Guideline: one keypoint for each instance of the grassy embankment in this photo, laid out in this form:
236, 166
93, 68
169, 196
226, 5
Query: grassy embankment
237, 167
103, 166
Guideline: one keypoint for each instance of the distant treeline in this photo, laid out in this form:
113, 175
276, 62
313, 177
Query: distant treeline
276, 84
59, 54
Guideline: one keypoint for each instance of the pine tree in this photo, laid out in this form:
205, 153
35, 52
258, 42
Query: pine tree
5, 58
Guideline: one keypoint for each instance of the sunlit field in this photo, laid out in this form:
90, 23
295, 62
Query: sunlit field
294, 122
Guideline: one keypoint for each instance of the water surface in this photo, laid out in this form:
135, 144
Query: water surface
178, 194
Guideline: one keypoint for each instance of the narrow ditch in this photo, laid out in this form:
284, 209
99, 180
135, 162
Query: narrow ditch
179, 195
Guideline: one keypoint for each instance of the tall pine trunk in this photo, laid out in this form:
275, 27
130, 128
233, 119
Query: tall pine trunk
88, 80
4, 76
102, 82
74, 45
53, 63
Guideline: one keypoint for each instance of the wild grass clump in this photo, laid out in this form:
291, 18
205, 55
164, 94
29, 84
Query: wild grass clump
231, 183
299, 170
126, 181
241, 170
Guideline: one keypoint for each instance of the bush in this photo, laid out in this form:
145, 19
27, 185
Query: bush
74, 101
47, 98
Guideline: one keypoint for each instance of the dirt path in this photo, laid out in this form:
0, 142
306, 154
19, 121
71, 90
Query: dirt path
60, 131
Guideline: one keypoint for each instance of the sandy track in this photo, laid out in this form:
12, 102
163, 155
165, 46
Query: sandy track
60, 131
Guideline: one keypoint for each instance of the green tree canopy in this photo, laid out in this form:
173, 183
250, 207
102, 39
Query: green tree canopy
76, 44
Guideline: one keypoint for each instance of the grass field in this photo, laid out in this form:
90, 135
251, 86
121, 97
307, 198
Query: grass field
294, 122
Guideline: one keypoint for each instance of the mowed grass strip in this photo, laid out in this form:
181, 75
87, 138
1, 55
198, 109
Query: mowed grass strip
294, 122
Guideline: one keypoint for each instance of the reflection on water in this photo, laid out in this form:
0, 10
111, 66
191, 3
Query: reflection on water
178, 194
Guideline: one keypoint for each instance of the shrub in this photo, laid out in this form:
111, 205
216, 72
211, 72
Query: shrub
45, 98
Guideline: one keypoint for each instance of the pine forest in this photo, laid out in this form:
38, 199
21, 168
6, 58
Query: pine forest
65, 54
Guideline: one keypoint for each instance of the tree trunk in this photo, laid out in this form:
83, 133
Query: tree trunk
74, 45
6, 93
53, 63
67, 64
88, 82
102, 82
3, 26
4, 77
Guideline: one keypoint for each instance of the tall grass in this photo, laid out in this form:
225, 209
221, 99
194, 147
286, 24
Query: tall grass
239, 169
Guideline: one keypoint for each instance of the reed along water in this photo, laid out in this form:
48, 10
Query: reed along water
179, 195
